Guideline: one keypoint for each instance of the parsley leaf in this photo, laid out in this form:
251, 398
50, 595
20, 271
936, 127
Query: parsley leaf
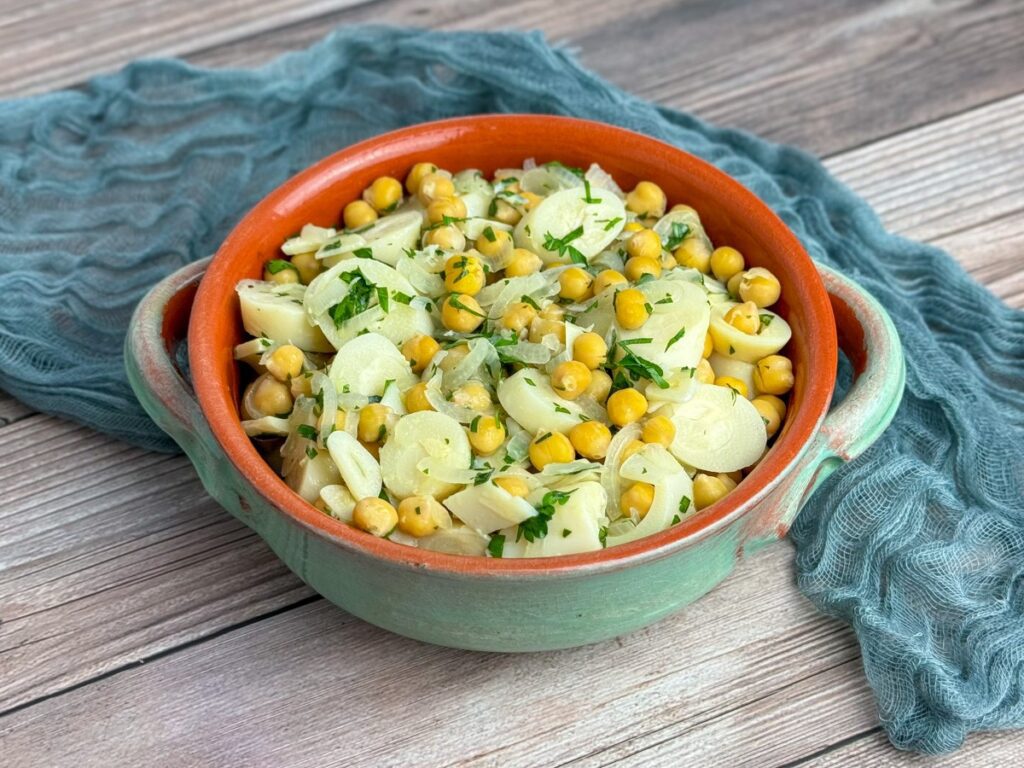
536, 527
276, 265
677, 235
561, 245
496, 545
684, 504
586, 193
639, 368
363, 253
674, 339
356, 300
382, 298
306, 431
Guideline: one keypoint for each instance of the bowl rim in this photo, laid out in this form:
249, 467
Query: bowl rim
225, 425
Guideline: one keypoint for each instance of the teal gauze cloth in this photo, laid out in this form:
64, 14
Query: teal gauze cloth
919, 544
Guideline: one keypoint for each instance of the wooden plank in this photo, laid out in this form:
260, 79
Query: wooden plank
824, 76
749, 641
92, 529
11, 410
874, 751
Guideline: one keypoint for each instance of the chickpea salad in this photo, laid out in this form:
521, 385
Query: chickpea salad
524, 364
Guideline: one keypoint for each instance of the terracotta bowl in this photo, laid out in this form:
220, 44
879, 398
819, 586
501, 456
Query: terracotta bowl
514, 604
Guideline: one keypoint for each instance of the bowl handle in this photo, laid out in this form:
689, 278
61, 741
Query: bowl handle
869, 339
158, 329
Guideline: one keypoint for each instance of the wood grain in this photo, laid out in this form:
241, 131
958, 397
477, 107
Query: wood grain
825, 76
983, 750
11, 410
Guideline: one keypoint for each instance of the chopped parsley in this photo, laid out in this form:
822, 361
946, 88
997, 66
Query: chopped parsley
640, 368
561, 245
677, 235
602, 536
382, 298
674, 339
684, 504
566, 532
586, 193
356, 300
527, 300
277, 265
474, 423
578, 172
453, 300
609, 223
306, 431
536, 527
496, 545
766, 320
363, 253
561, 409
529, 381
311, 452
489, 234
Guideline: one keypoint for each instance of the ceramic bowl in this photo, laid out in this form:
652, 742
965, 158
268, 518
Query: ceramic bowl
515, 604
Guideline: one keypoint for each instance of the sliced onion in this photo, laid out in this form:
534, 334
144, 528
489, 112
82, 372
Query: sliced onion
599, 177
610, 479
480, 350
424, 281
321, 385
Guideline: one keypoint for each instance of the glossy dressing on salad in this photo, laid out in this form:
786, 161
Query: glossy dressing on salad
532, 364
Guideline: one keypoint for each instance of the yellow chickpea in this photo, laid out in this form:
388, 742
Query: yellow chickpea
384, 194
709, 346
776, 402
464, 274
631, 447
570, 379
446, 209
726, 262
301, 385
453, 357
281, 272
638, 266
308, 266
744, 317
626, 406
600, 385
574, 284
531, 199
375, 516
647, 200
434, 186
271, 397
633, 226
769, 415
472, 395
486, 434
733, 286
542, 326
422, 515
518, 316
505, 212
631, 308
285, 362
707, 489
732, 383
694, 253
637, 498
590, 349
552, 311
493, 242
757, 285
705, 374
461, 313
550, 448
644, 243
607, 279
419, 350
373, 423
523, 263
773, 375
358, 214
514, 485
659, 429
416, 174
416, 398
590, 439
448, 238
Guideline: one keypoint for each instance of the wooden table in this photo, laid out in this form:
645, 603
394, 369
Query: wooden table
141, 625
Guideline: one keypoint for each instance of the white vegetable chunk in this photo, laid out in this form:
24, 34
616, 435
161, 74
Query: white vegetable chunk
575, 525
528, 398
276, 311
732, 342
367, 363
488, 508
310, 475
456, 541
358, 468
737, 369
676, 328
717, 431
418, 436
562, 213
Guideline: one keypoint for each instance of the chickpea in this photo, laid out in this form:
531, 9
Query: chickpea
486, 434
422, 515
464, 274
734, 384
358, 214
638, 266
743, 317
550, 448
281, 272
416, 174
434, 186
776, 402
285, 362
637, 498
518, 316
461, 313
631, 447
590, 439
600, 385
375, 516
606, 279
542, 326
733, 286
419, 350
647, 200
709, 346
416, 398
726, 262
590, 349
660, 430
505, 212
472, 395
574, 284
631, 308
633, 226
757, 285
705, 374
523, 263
384, 194
707, 489
694, 253
373, 423
308, 266
769, 415
271, 397
570, 379
773, 375
493, 242
445, 209
453, 356
626, 406
644, 243
447, 237
513, 484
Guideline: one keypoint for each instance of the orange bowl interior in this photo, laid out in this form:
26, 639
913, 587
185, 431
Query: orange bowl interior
732, 216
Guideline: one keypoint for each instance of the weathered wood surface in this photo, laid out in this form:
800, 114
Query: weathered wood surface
140, 622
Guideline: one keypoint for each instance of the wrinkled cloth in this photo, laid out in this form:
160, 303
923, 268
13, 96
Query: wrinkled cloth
919, 544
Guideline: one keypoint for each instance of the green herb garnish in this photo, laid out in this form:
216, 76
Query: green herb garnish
677, 235
356, 300
363, 253
536, 527
277, 265
674, 339
640, 368
496, 545
306, 431
561, 245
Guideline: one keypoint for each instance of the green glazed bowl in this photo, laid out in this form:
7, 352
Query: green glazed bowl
525, 604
